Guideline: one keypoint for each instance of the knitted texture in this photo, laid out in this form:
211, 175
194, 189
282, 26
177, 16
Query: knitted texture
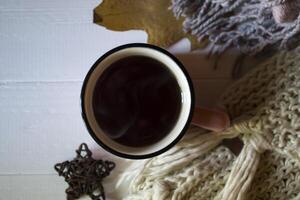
277, 177
195, 168
248, 25
265, 108
270, 97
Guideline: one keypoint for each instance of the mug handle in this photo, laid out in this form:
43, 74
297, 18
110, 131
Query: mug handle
211, 119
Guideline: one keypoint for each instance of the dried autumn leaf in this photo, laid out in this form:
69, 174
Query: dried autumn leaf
153, 16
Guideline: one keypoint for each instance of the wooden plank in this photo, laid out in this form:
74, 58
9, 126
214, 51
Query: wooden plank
40, 125
53, 40
32, 187
36, 187
45, 4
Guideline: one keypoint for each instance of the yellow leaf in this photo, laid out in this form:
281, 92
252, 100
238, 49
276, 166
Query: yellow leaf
152, 16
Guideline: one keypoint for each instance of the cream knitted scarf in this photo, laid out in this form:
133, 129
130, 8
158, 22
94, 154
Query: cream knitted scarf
265, 108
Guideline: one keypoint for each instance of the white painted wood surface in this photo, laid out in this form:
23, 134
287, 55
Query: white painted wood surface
46, 48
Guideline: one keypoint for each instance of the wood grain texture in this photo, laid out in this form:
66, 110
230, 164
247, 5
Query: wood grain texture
31, 187
43, 40
42, 125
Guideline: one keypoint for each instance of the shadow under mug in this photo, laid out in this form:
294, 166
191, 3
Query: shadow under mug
187, 104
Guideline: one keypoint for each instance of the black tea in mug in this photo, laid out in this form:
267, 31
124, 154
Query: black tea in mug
137, 101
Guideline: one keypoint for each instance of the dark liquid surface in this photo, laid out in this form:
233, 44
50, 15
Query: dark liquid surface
137, 101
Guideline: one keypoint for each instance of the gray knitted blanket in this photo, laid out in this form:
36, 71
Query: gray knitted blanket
252, 26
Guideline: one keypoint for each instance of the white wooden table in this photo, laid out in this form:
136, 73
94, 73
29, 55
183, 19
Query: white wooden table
46, 48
